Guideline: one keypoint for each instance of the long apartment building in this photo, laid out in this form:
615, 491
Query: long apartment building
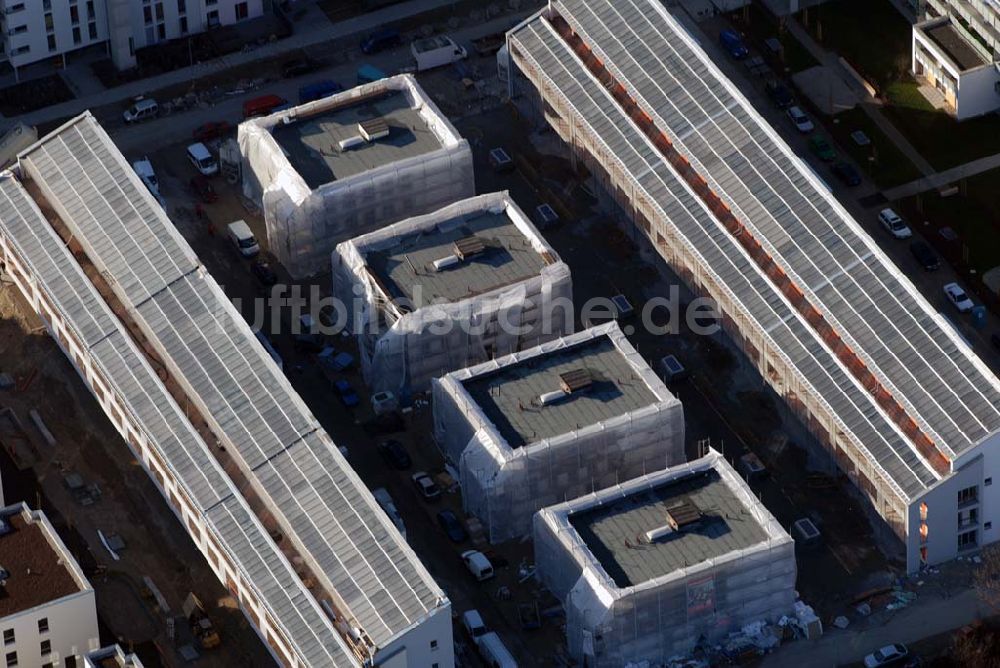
36, 30
904, 406
149, 331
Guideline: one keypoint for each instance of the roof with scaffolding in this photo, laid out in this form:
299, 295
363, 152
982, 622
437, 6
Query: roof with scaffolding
895, 374
512, 395
323, 507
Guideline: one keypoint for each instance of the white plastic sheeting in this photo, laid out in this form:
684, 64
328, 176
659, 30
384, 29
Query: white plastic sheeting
304, 224
654, 620
504, 486
416, 346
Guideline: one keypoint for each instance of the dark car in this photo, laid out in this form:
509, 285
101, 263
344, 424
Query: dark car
263, 273
210, 131
203, 189
779, 94
733, 44
452, 526
298, 67
395, 455
927, 258
847, 174
381, 40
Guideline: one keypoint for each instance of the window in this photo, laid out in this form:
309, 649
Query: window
159, 11
74, 14
49, 25
213, 18
11, 659
968, 517
8, 637
92, 30
241, 11
434, 644
43, 625
968, 495
90, 10
20, 50
46, 647
988, 482
183, 24
161, 31
967, 540
182, 6
76, 35
17, 30
52, 42
147, 14
15, 8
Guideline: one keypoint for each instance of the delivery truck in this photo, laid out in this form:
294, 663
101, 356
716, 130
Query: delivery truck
436, 51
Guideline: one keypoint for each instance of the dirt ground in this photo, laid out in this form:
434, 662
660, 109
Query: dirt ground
156, 545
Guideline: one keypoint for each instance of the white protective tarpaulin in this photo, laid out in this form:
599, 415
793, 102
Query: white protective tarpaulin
304, 224
504, 486
415, 346
654, 620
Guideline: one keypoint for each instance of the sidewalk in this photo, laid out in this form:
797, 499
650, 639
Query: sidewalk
314, 28
941, 179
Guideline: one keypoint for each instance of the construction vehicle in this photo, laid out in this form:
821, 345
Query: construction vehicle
201, 625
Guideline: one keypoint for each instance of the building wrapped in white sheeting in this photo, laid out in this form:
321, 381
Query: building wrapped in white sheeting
552, 423
435, 293
350, 163
647, 568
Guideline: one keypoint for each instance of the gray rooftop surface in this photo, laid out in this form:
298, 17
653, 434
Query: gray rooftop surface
312, 144
509, 395
954, 44
509, 258
757, 296
608, 531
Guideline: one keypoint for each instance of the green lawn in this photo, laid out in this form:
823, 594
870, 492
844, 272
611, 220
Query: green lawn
889, 167
942, 140
974, 214
869, 34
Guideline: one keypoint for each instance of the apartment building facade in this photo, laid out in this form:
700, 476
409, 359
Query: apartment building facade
37, 30
955, 48
48, 615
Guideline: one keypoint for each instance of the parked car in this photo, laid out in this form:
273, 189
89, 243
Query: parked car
845, 171
452, 526
240, 235
821, 148
261, 269
478, 564
262, 106
395, 455
202, 159
885, 656
296, 68
958, 298
202, 189
318, 90
893, 224
800, 120
380, 41
144, 168
426, 486
927, 258
211, 130
346, 392
142, 108
733, 44
779, 94
472, 623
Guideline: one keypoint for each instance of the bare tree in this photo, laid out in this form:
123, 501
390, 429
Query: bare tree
986, 577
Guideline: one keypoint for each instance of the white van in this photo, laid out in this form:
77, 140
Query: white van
243, 239
389, 506
431, 52
474, 626
478, 564
141, 109
144, 168
494, 653
202, 159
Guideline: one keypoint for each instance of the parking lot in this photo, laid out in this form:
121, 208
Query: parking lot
727, 404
